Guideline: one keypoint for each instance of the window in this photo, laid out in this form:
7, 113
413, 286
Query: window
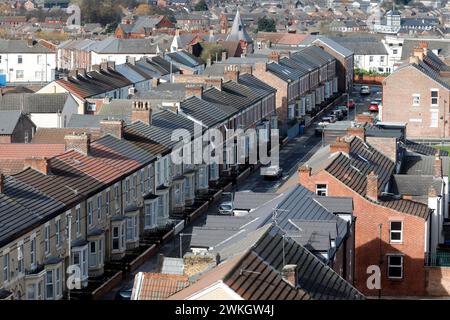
115, 238
135, 186
79, 258
291, 111
19, 74
26, 139
161, 206
127, 190
321, 190
142, 180
150, 215
382, 59
177, 194
58, 232
49, 284
89, 207
58, 282
149, 180
434, 97
117, 197
5, 267
395, 266
99, 206
20, 263
395, 51
130, 228
416, 100
100, 252
108, 200
396, 231
158, 173
78, 220
39, 75
203, 178
93, 254
19, 59
187, 187
33, 252
434, 119
370, 58
39, 59
91, 106
47, 239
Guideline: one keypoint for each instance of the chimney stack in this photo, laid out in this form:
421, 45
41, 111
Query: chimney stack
438, 166
419, 53
96, 67
38, 164
340, 145
289, 274
372, 186
104, 66
78, 142
214, 82
73, 73
432, 193
357, 132
82, 72
155, 82
274, 56
224, 56
112, 127
141, 111
131, 60
111, 65
194, 90
304, 172
231, 73
246, 68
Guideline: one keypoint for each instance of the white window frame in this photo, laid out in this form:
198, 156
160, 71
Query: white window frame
99, 206
47, 238
20, 257
134, 187
389, 265
90, 212
5, 268
58, 232
391, 231
434, 119
127, 190
49, 283
83, 259
150, 219
78, 219
416, 100
117, 197
33, 262
320, 189
107, 201
142, 181
431, 97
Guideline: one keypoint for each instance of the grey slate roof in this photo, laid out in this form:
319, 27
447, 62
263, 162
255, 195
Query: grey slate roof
93, 121
416, 164
122, 46
251, 200
34, 102
362, 46
329, 43
415, 185
336, 204
8, 121
439, 46
238, 31
21, 46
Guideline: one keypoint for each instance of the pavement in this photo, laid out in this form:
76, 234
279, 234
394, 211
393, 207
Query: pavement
292, 155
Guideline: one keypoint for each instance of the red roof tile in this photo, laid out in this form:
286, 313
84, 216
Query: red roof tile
157, 286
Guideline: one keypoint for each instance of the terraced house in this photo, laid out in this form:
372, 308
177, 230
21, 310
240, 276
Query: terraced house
305, 80
397, 229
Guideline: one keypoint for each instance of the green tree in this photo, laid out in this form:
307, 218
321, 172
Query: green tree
212, 50
266, 24
201, 6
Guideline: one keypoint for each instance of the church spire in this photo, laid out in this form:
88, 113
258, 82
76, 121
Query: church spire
238, 30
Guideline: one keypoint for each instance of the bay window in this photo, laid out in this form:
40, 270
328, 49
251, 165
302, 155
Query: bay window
203, 177
188, 190
53, 282
80, 259
49, 288
96, 253
118, 235
150, 214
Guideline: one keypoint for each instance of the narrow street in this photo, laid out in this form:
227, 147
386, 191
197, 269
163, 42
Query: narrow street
292, 155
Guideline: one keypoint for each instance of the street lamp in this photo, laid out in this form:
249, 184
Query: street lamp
181, 242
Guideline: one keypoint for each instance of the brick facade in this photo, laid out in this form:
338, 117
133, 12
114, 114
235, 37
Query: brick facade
370, 249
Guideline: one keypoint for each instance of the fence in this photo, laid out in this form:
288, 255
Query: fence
438, 259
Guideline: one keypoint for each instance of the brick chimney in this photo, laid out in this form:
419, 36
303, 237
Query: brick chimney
437, 166
194, 90
73, 73
112, 127
231, 73
419, 53
289, 274
131, 60
224, 56
2, 183
372, 186
155, 82
357, 132
78, 142
246, 68
214, 82
432, 193
274, 56
104, 66
38, 164
111, 65
304, 172
96, 67
340, 145
141, 111
364, 118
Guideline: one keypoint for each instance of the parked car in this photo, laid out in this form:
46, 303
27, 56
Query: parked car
124, 293
271, 172
343, 109
226, 206
373, 106
339, 114
365, 90
351, 104
320, 127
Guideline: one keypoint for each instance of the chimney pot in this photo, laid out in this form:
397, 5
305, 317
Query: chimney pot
141, 111
304, 172
38, 164
231, 73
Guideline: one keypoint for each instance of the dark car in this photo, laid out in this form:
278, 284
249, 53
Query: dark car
124, 293
339, 114
343, 109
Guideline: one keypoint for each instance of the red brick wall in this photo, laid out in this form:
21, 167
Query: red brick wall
5, 139
367, 245
438, 281
398, 89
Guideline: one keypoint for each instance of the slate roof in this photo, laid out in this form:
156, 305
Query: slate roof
414, 185
56, 135
172, 266
423, 149
329, 43
157, 286
185, 58
439, 46
362, 45
21, 46
34, 102
123, 46
93, 121
416, 164
251, 200
238, 31
9, 121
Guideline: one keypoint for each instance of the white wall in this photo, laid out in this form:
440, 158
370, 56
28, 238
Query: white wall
97, 58
36, 67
